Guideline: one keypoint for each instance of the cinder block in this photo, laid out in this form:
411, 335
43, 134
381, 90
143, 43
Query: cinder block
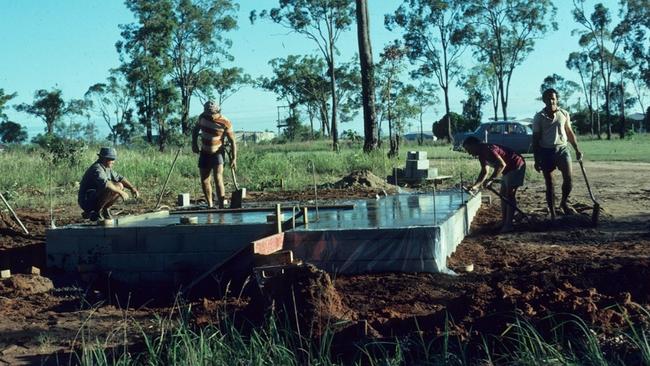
35, 271
5, 273
183, 200
416, 155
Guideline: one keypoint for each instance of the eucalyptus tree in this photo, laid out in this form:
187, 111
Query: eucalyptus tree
367, 78
584, 64
474, 85
504, 34
423, 97
113, 101
51, 108
4, 98
321, 21
225, 82
636, 13
436, 34
146, 64
565, 88
198, 45
390, 68
12, 132
598, 33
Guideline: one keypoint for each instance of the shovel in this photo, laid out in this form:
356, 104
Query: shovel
239, 193
504, 199
596, 212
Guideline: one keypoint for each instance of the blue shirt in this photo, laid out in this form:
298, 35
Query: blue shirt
96, 178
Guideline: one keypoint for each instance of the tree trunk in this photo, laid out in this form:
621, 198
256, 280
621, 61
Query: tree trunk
324, 118
367, 78
621, 132
334, 127
448, 115
185, 111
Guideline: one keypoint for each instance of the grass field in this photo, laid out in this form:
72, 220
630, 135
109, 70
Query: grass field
27, 178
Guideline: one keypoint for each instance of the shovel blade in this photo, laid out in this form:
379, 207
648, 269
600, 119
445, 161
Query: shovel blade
237, 197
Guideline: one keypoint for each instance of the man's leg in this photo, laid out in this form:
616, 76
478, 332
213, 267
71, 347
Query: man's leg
106, 199
218, 182
511, 194
550, 192
206, 185
564, 166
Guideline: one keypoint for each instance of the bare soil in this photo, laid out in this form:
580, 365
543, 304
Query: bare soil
600, 274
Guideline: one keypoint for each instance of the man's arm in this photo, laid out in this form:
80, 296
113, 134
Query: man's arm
481, 177
233, 146
571, 136
195, 138
128, 185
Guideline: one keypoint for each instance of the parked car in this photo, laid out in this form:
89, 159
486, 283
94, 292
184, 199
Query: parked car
515, 135
414, 136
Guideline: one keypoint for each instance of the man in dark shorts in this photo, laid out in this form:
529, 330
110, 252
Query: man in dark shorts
101, 187
214, 128
551, 134
505, 162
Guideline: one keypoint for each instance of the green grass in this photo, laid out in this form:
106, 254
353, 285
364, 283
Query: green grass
27, 179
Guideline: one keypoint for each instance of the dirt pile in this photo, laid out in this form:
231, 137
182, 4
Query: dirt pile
307, 294
23, 285
362, 178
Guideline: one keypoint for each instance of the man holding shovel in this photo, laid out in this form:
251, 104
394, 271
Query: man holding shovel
213, 128
504, 162
551, 132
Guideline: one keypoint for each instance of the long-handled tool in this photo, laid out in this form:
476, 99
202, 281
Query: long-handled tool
162, 191
239, 193
504, 199
596, 212
13, 213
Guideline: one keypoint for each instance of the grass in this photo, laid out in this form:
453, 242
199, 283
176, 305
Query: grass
27, 179
178, 342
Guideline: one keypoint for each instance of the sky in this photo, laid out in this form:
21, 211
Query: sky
70, 45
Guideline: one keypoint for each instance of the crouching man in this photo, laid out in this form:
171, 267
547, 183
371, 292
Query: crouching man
101, 187
505, 163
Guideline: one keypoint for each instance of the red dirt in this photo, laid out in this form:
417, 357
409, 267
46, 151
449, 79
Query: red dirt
539, 269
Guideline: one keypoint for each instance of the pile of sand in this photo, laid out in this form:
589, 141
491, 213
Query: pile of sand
362, 178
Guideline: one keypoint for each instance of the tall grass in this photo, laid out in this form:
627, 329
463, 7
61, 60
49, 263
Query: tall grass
27, 179
178, 342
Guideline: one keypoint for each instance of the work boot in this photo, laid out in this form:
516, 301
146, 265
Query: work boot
221, 202
106, 213
90, 215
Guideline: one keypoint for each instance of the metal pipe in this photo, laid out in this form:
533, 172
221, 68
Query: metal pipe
162, 191
435, 217
313, 172
13, 213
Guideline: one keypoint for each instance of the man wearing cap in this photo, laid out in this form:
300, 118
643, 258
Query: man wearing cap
214, 128
101, 187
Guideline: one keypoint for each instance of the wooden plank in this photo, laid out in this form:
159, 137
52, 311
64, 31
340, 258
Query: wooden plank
147, 216
259, 209
282, 257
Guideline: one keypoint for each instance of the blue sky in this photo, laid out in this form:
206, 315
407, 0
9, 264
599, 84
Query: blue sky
69, 44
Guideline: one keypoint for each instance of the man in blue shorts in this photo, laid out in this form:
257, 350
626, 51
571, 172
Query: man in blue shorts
552, 133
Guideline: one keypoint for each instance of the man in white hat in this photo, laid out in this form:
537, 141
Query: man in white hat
101, 187
214, 128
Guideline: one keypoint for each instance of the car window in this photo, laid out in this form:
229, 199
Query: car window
515, 128
496, 128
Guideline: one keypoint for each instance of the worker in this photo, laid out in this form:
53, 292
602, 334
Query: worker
551, 132
505, 163
101, 187
214, 128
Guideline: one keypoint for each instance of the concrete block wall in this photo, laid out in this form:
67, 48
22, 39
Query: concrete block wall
169, 255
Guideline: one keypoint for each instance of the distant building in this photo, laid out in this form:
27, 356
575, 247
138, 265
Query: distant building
254, 136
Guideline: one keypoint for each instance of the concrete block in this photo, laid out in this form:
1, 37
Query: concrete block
35, 271
268, 244
183, 200
416, 155
5, 273
131, 262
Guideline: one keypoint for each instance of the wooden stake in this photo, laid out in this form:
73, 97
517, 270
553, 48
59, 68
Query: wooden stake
13, 213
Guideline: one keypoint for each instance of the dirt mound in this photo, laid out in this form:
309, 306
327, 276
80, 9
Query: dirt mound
22, 285
362, 178
306, 293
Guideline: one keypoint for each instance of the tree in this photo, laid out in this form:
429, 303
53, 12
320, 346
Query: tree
198, 45
12, 132
390, 67
474, 86
147, 64
4, 98
458, 123
565, 88
348, 87
597, 35
367, 78
113, 101
435, 34
504, 34
636, 14
50, 107
226, 82
584, 64
424, 97
322, 21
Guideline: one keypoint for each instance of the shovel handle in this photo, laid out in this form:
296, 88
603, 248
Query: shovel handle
584, 174
508, 202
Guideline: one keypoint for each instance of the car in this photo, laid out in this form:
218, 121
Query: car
414, 136
515, 135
